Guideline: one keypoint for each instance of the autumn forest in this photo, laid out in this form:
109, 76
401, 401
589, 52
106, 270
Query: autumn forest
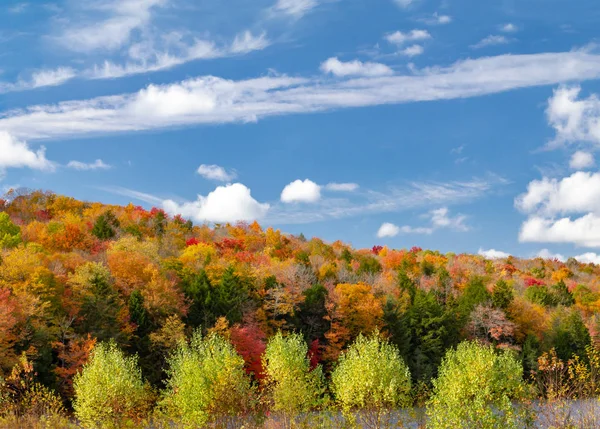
116, 316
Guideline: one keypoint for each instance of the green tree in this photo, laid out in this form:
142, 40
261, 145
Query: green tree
569, 335
502, 294
10, 234
207, 383
291, 385
478, 387
369, 380
110, 391
561, 294
311, 313
104, 227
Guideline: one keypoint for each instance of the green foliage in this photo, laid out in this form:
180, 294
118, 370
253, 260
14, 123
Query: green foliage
291, 385
368, 265
475, 293
207, 383
370, 379
539, 295
569, 335
110, 391
502, 294
10, 234
561, 294
104, 227
476, 388
312, 312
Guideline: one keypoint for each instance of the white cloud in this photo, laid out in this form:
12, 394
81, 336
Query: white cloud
574, 120
491, 40
247, 42
582, 231
438, 218
230, 203
509, 28
215, 172
123, 17
388, 230
17, 154
213, 100
354, 68
40, 78
546, 254
412, 51
294, 8
301, 191
341, 187
441, 219
589, 258
493, 254
404, 3
437, 19
578, 193
400, 38
96, 165
581, 160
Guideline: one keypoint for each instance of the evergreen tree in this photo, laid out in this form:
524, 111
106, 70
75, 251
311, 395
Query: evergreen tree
312, 312
502, 294
104, 227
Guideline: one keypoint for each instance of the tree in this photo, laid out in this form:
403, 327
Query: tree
291, 385
569, 335
10, 234
104, 227
502, 295
207, 383
369, 380
479, 388
312, 312
110, 391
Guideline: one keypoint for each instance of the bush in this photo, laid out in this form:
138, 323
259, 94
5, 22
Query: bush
369, 379
110, 391
207, 383
478, 387
291, 385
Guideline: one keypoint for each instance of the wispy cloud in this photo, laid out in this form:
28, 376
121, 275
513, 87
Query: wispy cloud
491, 40
294, 8
39, 79
213, 100
83, 166
437, 19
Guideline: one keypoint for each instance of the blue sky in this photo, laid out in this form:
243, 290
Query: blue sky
453, 125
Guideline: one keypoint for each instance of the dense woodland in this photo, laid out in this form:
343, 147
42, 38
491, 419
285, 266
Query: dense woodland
88, 288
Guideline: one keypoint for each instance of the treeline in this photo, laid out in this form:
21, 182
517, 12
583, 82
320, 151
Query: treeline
80, 279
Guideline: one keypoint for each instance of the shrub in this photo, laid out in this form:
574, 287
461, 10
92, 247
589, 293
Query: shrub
207, 383
110, 391
370, 378
291, 385
478, 387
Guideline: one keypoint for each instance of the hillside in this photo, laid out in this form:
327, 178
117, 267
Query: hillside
73, 274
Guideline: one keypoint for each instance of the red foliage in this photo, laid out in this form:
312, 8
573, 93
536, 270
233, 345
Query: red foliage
155, 211
415, 249
231, 244
192, 241
249, 342
376, 249
42, 215
314, 354
531, 281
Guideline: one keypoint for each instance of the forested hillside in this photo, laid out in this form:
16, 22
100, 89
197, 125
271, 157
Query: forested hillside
74, 275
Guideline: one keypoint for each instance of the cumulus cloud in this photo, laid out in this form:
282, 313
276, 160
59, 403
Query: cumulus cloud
213, 100
341, 187
412, 51
388, 230
15, 153
546, 254
301, 191
491, 40
582, 231
493, 254
400, 38
581, 160
575, 120
577, 193
230, 203
96, 165
589, 258
354, 68
215, 172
